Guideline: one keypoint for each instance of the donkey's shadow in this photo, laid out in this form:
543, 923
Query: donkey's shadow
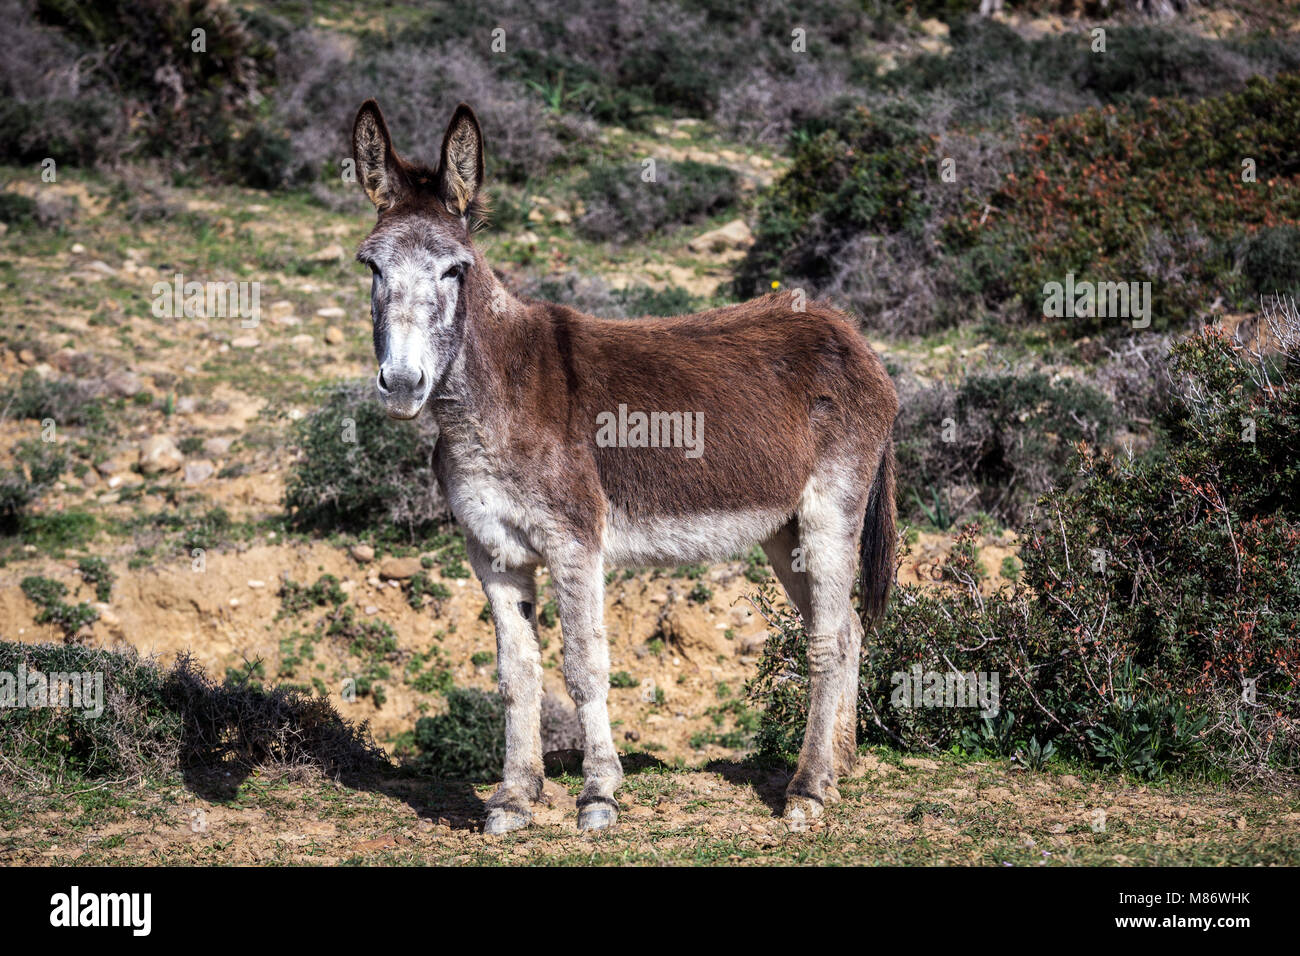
768, 783
454, 803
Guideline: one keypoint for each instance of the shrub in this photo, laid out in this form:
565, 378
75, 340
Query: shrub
149, 95
37, 465
1090, 191
467, 742
992, 444
381, 483
96, 573
1270, 261
48, 594
35, 398
622, 207
1109, 194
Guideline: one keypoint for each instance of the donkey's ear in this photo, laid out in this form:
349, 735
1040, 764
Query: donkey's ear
377, 164
460, 172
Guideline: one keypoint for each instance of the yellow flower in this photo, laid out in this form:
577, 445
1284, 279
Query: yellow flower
776, 284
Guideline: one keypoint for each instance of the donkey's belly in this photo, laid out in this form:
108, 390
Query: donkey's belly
678, 539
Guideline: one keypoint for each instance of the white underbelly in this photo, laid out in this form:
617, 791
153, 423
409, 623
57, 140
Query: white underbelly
673, 540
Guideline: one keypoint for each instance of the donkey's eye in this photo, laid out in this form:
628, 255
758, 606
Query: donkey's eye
455, 272
375, 270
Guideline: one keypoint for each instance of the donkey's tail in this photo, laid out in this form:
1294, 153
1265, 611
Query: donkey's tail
879, 541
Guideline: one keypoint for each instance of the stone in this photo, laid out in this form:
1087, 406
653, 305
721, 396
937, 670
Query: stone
730, 237
334, 335
197, 472
362, 553
159, 454
331, 312
399, 569
216, 447
245, 342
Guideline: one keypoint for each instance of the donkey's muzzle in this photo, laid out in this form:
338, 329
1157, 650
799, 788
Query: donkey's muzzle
402, 390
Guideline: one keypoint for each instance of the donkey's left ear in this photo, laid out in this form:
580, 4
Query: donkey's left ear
460, 173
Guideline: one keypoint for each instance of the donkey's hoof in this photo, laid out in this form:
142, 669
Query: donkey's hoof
800, 812
597, 816
503, 820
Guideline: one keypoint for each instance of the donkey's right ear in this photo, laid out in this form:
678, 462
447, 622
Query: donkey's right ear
378, 167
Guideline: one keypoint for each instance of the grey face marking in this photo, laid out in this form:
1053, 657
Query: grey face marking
419, 268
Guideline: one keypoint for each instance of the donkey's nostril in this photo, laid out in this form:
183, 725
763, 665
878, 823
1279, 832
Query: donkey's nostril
382, 382
420, 383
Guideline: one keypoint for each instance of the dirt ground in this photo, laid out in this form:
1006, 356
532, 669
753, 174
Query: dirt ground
893, 811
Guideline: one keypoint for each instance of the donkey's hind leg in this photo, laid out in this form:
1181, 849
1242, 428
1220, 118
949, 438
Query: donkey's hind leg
788, 559
512, 595
830, 523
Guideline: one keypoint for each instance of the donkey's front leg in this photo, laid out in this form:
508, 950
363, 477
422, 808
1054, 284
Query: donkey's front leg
580, 590
512, 594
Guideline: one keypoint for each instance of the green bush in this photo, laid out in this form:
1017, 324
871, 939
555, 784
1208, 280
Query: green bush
380, 484
1271, 261
1148, 191
48, 594
993, 444
467, 742
37, 465
622, 207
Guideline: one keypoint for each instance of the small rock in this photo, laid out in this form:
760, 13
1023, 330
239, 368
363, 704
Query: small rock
27, 357
245, 342
399, 569
362, 553
216, 447
197, 472
334, 335
732, 236
934, 28
158, 454
77, 249
255, 584
280, 308
331, 312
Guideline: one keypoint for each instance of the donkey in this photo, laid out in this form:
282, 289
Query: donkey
791, 449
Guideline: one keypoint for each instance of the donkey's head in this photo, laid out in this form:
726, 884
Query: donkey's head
419, 251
